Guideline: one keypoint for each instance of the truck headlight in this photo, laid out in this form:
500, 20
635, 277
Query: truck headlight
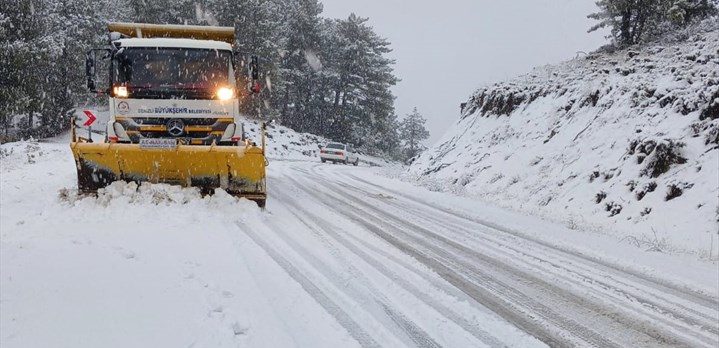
224, 93
120, 92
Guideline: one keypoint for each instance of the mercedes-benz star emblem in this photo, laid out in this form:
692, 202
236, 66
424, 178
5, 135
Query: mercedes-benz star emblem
175, 127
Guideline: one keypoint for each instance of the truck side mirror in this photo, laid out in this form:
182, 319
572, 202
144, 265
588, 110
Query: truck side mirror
90, 71
255, 75
255, 68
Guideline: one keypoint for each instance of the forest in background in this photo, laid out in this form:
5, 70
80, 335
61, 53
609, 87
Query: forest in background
330, 77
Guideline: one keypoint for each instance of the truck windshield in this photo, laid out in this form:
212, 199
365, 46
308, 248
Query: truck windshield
165, 73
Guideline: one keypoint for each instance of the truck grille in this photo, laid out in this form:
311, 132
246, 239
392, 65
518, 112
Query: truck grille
196, 131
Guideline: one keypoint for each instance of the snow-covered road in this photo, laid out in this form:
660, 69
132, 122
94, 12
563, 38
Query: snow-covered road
341, 257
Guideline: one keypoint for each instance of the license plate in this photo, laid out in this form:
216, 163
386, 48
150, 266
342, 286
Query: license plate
149, 143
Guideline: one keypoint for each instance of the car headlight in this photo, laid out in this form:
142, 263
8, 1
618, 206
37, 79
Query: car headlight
224, 93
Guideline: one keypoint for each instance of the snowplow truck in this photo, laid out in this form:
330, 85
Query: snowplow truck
174, 112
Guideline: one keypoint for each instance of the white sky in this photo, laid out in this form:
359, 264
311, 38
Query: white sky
445, 49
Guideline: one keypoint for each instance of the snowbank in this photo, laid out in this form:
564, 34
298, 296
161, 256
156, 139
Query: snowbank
147, 266
624, 142
286, 144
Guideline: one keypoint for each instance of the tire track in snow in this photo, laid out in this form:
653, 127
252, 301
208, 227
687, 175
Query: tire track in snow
305, 215
658, 335
364, 293
354, 329
700, 298
659, 307
480, 286
614, 313
691, 307
655, 318
415, 333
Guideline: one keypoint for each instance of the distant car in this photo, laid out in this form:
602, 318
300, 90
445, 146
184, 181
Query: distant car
337, 152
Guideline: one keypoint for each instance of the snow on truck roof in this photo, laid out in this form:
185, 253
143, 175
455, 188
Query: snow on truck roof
176, 43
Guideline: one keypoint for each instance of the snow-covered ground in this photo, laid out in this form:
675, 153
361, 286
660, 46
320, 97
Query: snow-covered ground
342, 256
625, 143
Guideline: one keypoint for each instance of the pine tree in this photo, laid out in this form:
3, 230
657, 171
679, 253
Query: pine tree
625, 18
299, 65
7, 104
413, 133
358, 81
683, 12
167, 11
258, 29
71, 28
634, 21
19, 81
386, 139
30, 51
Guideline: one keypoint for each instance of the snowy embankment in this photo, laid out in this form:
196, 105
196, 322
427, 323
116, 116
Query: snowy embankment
624, 142
288, 145
285, 144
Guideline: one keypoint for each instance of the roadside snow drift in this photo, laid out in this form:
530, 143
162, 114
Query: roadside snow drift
154, 265
626, 142
286, 144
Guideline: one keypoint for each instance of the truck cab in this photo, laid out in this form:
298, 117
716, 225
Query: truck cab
174, 111
168, 87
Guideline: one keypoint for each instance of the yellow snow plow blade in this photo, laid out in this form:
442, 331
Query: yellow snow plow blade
238, 170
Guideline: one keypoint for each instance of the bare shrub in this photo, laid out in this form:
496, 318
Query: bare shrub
676, 190
657, 157
649, 187
613, 208
599, 197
